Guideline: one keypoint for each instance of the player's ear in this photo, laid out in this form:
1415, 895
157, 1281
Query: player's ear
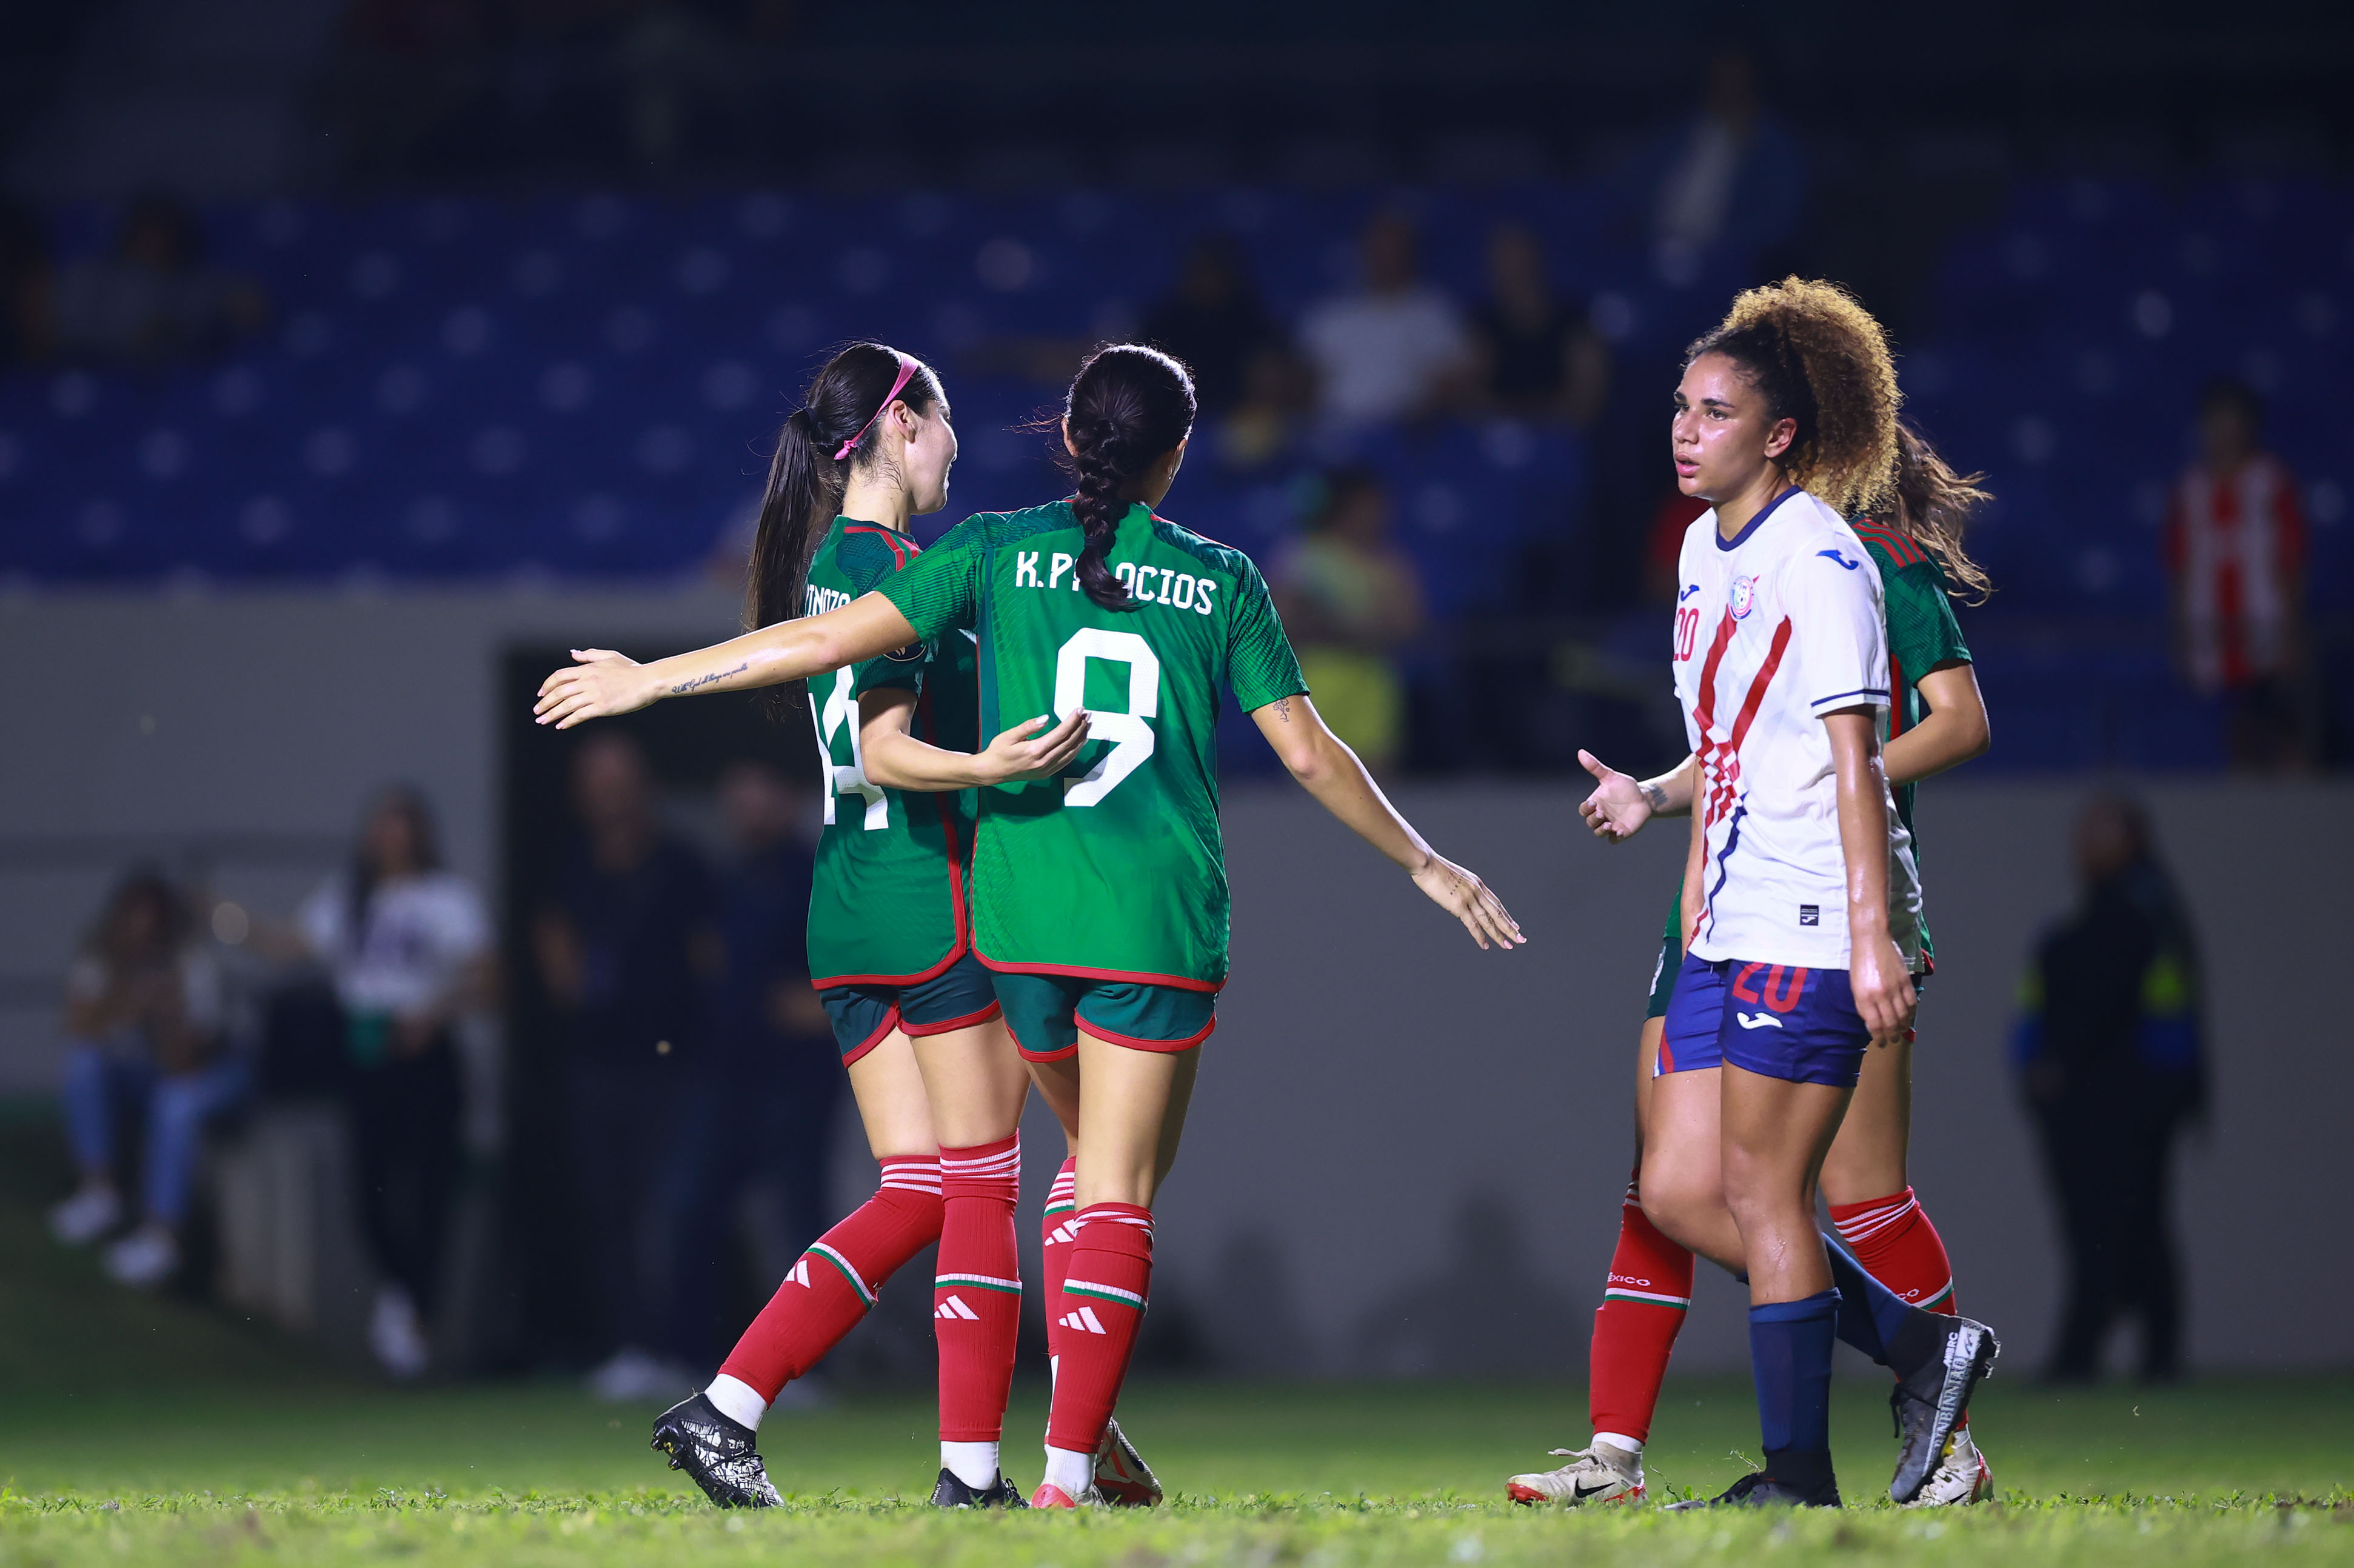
1069, 445
1778, 439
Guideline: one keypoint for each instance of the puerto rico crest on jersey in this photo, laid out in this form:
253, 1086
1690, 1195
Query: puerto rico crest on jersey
1775, 629
888, 901
1116, 871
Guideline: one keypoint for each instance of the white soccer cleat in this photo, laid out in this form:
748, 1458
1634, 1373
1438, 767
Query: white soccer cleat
86, 1216
1602, 1473
1960, 1478
144, 1259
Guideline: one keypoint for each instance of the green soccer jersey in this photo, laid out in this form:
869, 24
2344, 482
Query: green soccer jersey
1115, 871
888, 901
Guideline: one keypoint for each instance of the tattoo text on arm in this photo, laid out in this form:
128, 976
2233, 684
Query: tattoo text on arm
1653, 796
685, 686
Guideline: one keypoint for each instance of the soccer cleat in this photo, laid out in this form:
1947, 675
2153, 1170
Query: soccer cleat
1049, 1495
1602, 1473
1929, 1405
145, 1258
952, 1492
1758, 1489
1122, 1479
89, 1214
1961, 1478
716, 1453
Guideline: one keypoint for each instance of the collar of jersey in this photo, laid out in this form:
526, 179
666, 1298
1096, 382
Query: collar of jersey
1754, 523
843, 519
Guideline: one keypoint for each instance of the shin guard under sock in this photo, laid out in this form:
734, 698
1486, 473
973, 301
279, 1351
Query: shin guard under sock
1893, 1239
1790, 1354
977, 1288
1643, 1309
1101, 1306
833, 1283
1059, 1228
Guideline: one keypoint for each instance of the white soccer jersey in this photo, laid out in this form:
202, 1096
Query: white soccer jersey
1775, 629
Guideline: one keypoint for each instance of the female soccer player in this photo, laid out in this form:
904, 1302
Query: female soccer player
937, 1083
1099, 897
1939, 723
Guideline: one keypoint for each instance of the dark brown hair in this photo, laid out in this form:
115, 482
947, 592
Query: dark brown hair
1129, 406
1933, 506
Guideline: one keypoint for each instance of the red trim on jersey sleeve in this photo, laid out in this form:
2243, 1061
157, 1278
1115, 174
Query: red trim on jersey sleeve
1073, 971
1166, 1046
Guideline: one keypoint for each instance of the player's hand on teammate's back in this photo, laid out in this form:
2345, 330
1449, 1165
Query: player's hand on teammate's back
1033, 750
1470, 900
603, 684
1617, 809
1883, 990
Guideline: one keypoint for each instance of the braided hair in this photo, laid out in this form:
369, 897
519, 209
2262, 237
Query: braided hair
1129, 406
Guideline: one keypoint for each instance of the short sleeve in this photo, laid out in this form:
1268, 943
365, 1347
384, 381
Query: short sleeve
939, 590
1923, 633
1832, 596
1260, 664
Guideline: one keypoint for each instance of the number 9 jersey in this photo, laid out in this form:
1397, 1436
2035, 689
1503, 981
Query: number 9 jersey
1116, 871
886, 901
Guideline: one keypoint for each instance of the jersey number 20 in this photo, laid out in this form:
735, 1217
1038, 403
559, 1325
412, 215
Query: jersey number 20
841, 712
1130, 735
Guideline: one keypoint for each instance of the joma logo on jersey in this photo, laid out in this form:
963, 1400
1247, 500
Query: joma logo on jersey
821, 599
1150, 584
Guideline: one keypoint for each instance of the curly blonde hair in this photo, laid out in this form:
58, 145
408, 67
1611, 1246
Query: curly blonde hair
1822, 360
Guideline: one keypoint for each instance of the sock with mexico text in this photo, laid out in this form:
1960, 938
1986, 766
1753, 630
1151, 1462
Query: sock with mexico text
1101, 1306
1790, 1354
1894, 1240
1059, 1228
1635, 1330
831, 1287
977, 1301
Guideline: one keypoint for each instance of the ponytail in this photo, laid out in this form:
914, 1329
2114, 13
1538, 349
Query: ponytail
839, 414
1933, 506
1129, 407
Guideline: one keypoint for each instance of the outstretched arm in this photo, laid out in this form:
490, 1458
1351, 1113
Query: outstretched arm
1035, 748
605, 683
1328, 770
1621, 803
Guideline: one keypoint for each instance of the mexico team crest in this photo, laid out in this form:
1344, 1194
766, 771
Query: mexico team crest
1744, 597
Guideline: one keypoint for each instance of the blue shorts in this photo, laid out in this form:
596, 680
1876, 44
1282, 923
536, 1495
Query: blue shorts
957, 998
1798, 1026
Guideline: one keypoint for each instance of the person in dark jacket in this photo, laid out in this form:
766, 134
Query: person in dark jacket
2111, 1060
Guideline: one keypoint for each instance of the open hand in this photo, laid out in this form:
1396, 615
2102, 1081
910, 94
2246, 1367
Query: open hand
1024, 752
602, 685
1617, 809
1470, 900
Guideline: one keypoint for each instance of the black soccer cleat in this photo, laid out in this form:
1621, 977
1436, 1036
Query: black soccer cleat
953, 1493
1758, 1489
1930, 1403
716, 1453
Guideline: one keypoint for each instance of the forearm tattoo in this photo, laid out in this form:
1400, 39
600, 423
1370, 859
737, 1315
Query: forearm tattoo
1653, 796
685, 686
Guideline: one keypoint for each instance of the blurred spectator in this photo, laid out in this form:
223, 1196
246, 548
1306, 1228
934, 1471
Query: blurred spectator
1730, 176
26, 283
153, 298
2110, 1053
625, 948
2235, 549
1536, 356
1349, 599
1396, 348
145, 1023
1213, 320
1277, 389
408, 945
758, 1109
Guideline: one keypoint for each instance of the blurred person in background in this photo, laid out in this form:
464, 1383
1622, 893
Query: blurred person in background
1394, 347
1728, 175
408, 943
758, 1108
1277, 392
2235, 553
144, 1025
626, 947
1536, 356
1351, 598
1213, 320
2110, 1051
152, 298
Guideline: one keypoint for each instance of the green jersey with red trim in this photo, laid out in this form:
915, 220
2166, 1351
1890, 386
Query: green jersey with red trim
1117, 870
888, 901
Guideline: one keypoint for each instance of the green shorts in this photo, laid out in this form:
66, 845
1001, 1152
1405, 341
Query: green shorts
1671, 957
1048, 1013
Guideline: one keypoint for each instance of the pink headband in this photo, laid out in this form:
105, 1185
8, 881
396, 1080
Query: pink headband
906, 371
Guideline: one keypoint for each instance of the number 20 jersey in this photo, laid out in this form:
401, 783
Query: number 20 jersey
1116, 871
886, 901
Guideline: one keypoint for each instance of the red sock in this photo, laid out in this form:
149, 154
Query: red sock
1101, 1306
1059, 1228
977, 1293
833, 1284
1642, 1310
1897, 1245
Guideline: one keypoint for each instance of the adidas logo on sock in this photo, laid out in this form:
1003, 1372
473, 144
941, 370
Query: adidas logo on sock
1060, 1233
1085, 1320
955, 1310
799, 1275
